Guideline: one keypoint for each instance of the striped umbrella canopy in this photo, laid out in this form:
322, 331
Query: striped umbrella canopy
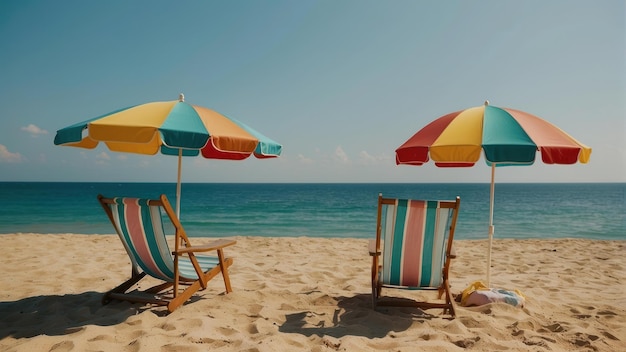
503, 136
170, 128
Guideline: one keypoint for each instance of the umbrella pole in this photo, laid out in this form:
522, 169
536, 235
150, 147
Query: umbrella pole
180, 159
491, 227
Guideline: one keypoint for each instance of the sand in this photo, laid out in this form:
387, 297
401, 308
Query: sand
311, 294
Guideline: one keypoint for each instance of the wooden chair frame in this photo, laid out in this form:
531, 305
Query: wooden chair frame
160, 294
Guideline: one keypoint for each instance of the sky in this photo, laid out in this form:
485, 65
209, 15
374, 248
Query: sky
339, 83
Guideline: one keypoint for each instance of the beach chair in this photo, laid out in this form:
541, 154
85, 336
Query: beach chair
138, 222
412, 250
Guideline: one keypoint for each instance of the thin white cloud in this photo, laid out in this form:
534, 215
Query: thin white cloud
366, 158
340, 155
103, 156
304, 160
34, 130
8, 157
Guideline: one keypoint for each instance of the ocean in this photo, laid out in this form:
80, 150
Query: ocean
528, 210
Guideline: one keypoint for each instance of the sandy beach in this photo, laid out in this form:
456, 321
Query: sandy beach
311, 294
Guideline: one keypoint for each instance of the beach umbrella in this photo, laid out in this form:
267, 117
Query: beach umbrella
503, 136
170, 128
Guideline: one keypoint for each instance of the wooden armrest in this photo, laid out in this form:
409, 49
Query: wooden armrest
215, 245
372, 248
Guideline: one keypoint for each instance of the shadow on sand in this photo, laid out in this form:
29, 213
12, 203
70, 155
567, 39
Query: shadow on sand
61, 314
353, 316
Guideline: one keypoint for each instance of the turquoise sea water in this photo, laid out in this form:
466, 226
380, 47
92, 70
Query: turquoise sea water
595, 211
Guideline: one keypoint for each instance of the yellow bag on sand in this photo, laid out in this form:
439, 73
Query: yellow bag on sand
478, 294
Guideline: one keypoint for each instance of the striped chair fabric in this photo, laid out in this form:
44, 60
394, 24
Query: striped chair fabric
414, 233
412, 250
140, 227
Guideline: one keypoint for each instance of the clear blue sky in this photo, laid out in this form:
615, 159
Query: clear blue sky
340, 83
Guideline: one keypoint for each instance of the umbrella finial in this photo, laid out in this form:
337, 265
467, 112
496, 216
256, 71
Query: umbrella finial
181, 97
486, 102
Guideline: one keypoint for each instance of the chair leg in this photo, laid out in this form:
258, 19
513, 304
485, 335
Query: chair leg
224, 264
376, 287
374, 295
196, 285
123, 287
183, 296
449, 303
